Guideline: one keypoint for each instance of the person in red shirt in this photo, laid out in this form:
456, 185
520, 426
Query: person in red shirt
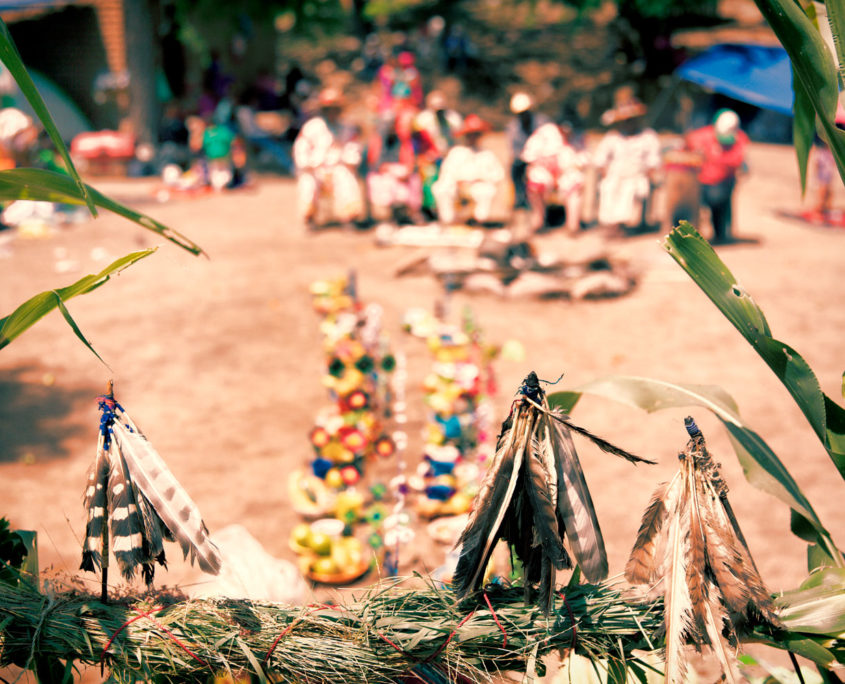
721, 148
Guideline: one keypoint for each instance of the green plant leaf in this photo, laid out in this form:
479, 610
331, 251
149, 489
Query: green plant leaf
702, 264
12, 59
761, 466
12, 553
813, 64
73, 326
35, 308
818, 605
49, 186
836, 19
803, 127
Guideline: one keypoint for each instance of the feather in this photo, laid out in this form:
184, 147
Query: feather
730, 559
166, 496
602, 444
541, 484
575, 506
697, 579
126, 530
676, 599
533, 494
642, 566
491, 503
709, 578
95, 502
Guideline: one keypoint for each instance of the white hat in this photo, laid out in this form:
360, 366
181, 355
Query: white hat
726, 125
521, 102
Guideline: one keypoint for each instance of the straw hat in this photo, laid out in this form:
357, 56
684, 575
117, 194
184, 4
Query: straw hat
521, 102
625, 110
474, 124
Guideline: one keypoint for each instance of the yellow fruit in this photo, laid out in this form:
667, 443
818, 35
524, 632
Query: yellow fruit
334, 479
301, 535
324, 566
321, 543
340, 555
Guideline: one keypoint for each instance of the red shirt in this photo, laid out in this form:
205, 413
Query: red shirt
718, 162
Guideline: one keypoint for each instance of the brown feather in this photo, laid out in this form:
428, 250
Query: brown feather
540, 483
676, 599
575, 506
643, 565
492, 502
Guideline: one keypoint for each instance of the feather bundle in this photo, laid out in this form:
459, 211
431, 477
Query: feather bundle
131, 490
534, 493
690, 539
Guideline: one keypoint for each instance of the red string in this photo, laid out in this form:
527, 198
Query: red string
149, 614
126, 624
179, 643
496, 618
314, 607
437, 652
571, 621
449, 638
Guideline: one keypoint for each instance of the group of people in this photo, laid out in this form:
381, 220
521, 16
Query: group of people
423, 160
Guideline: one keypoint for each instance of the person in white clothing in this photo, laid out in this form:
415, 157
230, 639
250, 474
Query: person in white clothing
468, 172
627, 158
326, 155
554, 173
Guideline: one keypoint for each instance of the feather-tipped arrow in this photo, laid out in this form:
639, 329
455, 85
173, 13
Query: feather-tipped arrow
689, 539
131, 489
533, 494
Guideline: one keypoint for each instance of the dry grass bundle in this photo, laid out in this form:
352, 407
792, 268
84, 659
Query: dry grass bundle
383, 636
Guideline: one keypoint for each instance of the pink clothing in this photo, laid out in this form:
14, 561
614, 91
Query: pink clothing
719, 163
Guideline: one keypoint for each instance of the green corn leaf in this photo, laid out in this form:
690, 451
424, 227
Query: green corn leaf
12, 59
813, 64
836, 19
803, 127
35, 308
73, 326
761, 466
707, 270
818, 605
49, 186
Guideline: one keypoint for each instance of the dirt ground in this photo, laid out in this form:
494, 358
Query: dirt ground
218, 360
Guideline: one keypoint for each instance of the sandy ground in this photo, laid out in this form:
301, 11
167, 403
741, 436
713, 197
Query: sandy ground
218, 360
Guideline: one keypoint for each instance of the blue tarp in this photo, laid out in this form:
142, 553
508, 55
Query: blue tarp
757, 74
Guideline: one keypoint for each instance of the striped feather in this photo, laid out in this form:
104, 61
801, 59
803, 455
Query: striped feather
95, 502
165, 495
575, 506
126, 529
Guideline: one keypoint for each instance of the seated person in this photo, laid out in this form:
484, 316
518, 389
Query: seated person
468, 172
554, 175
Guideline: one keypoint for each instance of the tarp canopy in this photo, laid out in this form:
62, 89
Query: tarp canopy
757, 74
66, 114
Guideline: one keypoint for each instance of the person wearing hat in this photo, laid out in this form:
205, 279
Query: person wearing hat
468, 171
627, 157
554, 173
326, 155
721, 147
435, 129
519, 129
